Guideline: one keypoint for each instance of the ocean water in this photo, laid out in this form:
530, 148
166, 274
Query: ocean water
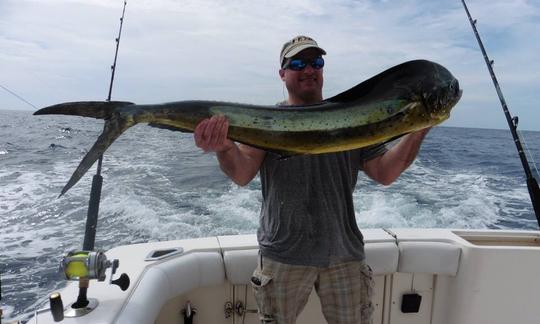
159, 186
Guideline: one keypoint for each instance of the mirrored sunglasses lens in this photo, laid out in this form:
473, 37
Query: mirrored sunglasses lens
297, 65
318, 63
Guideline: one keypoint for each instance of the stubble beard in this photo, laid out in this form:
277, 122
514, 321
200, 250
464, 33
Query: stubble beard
308, 96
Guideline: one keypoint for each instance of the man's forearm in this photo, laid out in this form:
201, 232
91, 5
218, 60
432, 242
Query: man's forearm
407, 149
399, 157
240, 163
229, 161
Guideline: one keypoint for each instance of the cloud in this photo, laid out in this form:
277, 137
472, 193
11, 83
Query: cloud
228, 50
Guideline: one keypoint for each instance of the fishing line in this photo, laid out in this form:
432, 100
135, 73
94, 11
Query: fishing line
19, 97
529, 152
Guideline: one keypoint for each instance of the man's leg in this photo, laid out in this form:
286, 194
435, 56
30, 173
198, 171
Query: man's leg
281, 290
346, 291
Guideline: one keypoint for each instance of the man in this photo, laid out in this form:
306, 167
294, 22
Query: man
308, 236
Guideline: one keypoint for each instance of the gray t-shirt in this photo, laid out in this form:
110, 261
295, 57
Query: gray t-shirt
307, 216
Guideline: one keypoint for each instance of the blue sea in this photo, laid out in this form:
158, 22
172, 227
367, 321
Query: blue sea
159, 186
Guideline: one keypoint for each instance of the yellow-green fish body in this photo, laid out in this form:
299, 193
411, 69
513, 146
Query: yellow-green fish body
406, 98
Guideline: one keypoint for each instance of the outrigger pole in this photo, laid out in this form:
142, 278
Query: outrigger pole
97, 180
532, 184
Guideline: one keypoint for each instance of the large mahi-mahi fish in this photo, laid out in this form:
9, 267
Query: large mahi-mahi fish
403, 99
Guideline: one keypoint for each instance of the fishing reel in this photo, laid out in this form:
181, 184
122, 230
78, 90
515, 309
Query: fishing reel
88, 265
83, 266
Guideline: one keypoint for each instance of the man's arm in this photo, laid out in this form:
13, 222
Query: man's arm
387, 167
239, 162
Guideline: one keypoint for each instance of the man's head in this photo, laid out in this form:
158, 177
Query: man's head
301, 70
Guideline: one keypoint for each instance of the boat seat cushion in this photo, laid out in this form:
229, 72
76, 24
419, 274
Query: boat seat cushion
240, 264
429, 257
382, 257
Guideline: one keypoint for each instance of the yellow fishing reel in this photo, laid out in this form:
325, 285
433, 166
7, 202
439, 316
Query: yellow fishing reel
86, 265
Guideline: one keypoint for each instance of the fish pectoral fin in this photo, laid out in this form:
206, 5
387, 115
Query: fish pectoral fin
392, 139
283, 155
169, 127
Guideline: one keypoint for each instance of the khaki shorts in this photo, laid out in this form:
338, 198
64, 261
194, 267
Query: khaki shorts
282, 291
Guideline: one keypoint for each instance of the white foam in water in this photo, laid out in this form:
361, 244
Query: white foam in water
239, 208
20, 191
435, 200
31, 214
125, 209
380, 209
200, 214
8, 311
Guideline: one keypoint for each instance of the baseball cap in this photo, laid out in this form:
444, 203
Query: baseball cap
296, 45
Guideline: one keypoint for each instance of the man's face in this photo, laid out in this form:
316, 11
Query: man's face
304, 86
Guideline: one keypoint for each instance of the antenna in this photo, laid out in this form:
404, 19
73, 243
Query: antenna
532, 185
97, 180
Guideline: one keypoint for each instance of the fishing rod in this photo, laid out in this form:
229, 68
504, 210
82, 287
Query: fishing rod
532, 184
84, 305
97, 180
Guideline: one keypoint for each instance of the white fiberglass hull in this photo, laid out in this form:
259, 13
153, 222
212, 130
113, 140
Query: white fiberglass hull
462, 276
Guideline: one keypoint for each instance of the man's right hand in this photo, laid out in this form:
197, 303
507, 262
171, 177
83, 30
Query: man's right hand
241, 163
211, 135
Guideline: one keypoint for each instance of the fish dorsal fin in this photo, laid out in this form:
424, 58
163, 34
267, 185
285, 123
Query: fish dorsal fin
386, 81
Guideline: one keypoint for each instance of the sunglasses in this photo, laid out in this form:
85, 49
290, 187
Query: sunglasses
300, 64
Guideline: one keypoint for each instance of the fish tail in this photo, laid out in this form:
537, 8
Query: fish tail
115, 125
95, 109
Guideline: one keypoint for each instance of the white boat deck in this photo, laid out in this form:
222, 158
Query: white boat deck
462, 276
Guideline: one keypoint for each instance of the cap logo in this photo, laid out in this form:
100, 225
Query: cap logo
301, 39
296, 45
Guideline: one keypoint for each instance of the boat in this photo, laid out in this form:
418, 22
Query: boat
422, 276
431, 276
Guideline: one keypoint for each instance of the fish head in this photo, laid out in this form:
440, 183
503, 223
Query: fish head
440, 94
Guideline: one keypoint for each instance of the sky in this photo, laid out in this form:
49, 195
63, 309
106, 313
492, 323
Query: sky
54, 51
